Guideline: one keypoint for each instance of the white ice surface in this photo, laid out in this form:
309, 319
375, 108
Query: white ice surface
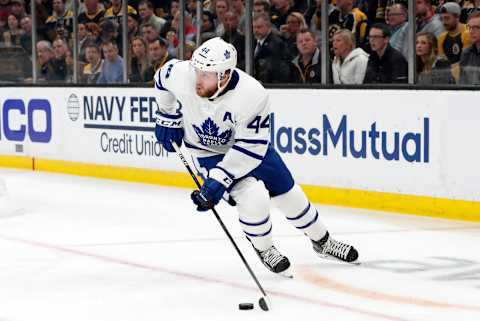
82, 249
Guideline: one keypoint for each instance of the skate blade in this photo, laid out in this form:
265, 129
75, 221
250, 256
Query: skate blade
335, 259
287, 273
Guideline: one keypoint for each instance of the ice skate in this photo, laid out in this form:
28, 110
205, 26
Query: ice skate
329, 248
275, 261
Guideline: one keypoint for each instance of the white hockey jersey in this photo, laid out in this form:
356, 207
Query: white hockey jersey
236, 123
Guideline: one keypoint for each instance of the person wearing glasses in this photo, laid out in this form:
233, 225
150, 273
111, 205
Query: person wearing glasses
385, 64
470, 59
397, 21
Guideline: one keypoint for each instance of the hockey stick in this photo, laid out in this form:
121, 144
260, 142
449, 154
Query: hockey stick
262, 302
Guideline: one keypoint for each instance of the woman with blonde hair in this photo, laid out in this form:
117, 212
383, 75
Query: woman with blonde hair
349, 64
220, 8
139, 62
289, 31
431, 69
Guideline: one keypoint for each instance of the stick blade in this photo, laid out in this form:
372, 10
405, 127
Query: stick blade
264, 303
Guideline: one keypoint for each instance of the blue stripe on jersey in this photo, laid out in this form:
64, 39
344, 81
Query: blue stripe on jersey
159, 85
301, 214
259, 235
255, 224
310, 223
169, 116
247, 152
253, 141
195, 147
230, 175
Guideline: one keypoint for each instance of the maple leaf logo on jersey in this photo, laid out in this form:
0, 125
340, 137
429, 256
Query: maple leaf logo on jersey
209, 134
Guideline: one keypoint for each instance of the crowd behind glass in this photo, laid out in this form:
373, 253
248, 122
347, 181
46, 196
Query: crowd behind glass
368, 40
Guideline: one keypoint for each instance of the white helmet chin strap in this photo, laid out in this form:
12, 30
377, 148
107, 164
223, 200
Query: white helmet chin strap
220, 88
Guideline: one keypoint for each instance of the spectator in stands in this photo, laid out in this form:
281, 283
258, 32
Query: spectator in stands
93, 32
313, 15
345, 16
456, 37
109, 33
112, 69
61, 18
93, 12
82, 41
139, 61
208, 26
397, 21
44, 57
261, 7
350, 63
174, 8
190, 31
5, 9
60, 49
289, 31
115, 14
150, 32
132, 25
189, 49
306, 66
91, 71
280, 12
26, 38
192, 10
18, 8
470, 59
233, 36
270, 54
3, 23
431, 69
14, 33
385, 64
468, 7
159, 56
239, 8
145, 10
427, 20
220, 8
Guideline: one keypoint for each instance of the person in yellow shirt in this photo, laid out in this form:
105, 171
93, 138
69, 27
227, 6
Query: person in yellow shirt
456, 37
115, 11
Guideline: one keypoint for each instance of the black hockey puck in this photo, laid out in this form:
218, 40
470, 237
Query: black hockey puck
245, 306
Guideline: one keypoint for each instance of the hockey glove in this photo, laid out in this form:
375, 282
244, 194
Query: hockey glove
212, 190
169, 128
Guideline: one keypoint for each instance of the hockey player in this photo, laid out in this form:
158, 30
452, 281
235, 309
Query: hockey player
222, 115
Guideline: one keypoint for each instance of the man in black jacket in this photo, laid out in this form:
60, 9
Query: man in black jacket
270, 54
385, 64
306, 66
470, 59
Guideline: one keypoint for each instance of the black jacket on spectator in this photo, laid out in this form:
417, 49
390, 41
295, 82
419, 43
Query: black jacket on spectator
390, 68
271, 60
150, 72
48, 72
441, 73
136, 75
470, 66
278, 18
311, 73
